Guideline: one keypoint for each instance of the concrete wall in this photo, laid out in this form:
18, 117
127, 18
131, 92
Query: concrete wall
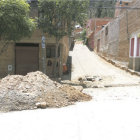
134, 63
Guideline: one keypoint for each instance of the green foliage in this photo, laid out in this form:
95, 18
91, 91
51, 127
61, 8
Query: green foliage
103, 12
14, 20
58, 17
83, 36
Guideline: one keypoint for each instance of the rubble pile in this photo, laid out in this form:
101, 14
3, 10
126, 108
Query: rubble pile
36, 90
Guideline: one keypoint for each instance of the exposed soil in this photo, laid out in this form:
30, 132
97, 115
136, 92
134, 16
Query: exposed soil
36, 90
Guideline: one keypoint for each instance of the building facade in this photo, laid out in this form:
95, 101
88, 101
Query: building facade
92, 27
26, 55
119, 39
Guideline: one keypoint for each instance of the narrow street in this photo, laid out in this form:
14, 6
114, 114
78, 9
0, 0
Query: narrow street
87, 63
112, 114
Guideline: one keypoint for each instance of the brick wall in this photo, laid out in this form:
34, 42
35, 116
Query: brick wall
116, 43
129, 23
93, 26
109, 38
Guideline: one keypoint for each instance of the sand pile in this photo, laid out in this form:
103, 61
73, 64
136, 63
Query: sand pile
36, 90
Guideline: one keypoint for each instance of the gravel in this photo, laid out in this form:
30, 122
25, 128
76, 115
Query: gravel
36, 90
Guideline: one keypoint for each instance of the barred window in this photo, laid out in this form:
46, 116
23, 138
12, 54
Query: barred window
50, 51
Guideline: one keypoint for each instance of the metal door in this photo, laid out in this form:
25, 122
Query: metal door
27, 59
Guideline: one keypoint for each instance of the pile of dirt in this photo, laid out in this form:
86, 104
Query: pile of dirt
36, 90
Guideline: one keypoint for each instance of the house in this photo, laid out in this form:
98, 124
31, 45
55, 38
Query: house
26, 55
93, 26
129, 34
106, 40
119, 39
123, 4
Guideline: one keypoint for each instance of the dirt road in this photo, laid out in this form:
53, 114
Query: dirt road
107, 117
85, 62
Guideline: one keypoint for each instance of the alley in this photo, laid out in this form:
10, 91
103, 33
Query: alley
112, 114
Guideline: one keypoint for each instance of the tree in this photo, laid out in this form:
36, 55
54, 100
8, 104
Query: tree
58, 17
101, 11
108, 12
14, 21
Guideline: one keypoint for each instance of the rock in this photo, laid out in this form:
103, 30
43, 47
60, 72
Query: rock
42, 105
95, 86
100, 86
36, 90
80, 88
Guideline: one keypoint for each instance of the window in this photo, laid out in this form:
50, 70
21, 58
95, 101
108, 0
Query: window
50, 52
138, 47
126, 4
49, 63
132, 47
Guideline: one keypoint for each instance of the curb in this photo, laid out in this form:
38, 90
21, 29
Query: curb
132, 72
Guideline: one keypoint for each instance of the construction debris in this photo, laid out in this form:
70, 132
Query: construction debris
36, 90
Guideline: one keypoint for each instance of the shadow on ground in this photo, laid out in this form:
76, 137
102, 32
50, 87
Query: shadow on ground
67, 75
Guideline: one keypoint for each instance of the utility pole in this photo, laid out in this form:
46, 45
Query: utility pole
61, 61
43, 54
